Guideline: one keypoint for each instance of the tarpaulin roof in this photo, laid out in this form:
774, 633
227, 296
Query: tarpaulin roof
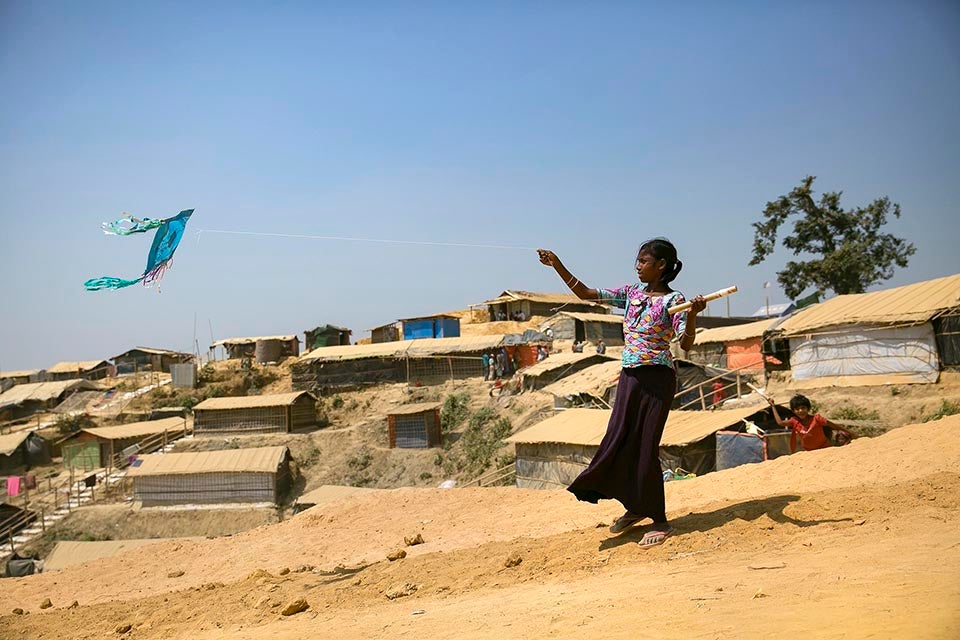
587, 317
253, 340
594, 380
562, 359
735, 332
42, 391
136, 429
516, 295
252, 402
401, 348
68, 553
156, 352
586, 427
10, 442
418, 407
259, 460
73, 367
26, 373
330, 492
909, 304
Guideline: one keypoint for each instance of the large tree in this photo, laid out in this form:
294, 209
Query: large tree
848, 252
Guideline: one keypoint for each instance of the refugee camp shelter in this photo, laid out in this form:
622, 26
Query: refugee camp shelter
327, 493
262, 348
212, 477
326, 335
578, 326
594, 385
414, 426
149, 359
26, 399
11, 378
734, 347
421, 361
70, 553
527, 304
901, 335
21, 451
559, 365
13, 519
86, 370
552, 453
105, 446
389, 332
700, 386
275, 413
438, 326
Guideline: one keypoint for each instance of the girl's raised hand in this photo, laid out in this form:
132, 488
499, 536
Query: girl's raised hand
548, 257
697, 304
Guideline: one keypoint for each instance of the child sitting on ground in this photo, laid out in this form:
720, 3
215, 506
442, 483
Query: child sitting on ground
810, 429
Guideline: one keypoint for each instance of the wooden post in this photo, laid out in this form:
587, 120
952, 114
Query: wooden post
43, 521
450, 364
739, 392
703, 401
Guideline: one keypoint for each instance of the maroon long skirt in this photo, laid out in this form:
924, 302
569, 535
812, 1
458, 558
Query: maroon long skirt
626, 467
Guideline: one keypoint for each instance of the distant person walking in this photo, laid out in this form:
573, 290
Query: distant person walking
601, 347
626, 466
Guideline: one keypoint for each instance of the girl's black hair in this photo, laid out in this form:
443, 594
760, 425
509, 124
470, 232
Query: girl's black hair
798, 401
663, 249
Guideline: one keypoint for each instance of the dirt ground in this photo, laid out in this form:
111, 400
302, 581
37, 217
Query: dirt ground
854, 542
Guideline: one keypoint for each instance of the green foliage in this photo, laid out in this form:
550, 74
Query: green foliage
946, 408
482, 438
853, 412
337, 402
850, 252
454, 411
67, 424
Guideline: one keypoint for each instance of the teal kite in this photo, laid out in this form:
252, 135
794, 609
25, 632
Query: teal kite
169, 233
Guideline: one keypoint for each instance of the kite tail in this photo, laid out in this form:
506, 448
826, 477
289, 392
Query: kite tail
109, 282
129, 225
156, 274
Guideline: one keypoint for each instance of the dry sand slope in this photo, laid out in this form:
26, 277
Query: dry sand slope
857, 542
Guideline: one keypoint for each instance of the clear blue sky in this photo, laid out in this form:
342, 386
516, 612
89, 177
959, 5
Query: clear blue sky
581, 127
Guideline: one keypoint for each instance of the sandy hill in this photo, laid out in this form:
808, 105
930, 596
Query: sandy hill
854, 542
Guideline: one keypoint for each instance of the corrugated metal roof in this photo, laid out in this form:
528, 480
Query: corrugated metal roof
418, 407
410, 348
42, 391
253, 339
10, 442
595, 380
251, 402
74, 367
259, 460
26, 373
560, 360
430, 317
589, 317
587, 426
910, 304
68, 553
136, 429
516, 295
735, 332
330, 492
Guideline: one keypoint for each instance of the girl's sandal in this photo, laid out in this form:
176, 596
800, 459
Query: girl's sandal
654, 537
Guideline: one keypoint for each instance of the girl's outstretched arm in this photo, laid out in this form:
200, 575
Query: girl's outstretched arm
579, 289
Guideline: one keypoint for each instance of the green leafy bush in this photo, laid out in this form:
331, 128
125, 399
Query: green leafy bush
454, 411
946, 408
853, 412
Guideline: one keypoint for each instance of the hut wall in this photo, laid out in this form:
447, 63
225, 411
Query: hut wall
947, 332
317, 376
428, 370
550, 465
388, 333
564, 328
303, 413
415, 431
246, 420
206, 488
611, 333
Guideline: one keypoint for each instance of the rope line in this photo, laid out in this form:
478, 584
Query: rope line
354, 239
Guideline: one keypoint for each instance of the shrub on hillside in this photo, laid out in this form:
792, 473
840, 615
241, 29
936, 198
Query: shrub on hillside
454, 411
946, 408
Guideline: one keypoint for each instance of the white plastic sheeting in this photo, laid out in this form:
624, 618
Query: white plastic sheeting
867, 350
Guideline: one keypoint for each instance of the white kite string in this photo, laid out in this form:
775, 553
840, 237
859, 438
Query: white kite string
382, 240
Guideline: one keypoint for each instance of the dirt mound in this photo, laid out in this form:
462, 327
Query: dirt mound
864, 536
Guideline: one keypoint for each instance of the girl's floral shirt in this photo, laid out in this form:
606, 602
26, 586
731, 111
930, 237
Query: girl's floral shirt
647, 327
